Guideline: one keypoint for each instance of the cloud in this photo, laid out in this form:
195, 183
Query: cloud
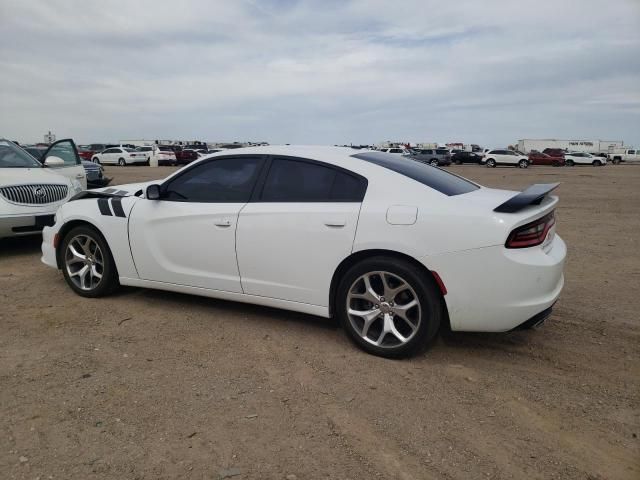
290, 71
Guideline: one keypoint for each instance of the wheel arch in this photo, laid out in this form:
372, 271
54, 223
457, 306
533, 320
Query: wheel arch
70, 225
361, 255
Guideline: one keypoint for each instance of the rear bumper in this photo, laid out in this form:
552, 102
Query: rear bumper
495, 289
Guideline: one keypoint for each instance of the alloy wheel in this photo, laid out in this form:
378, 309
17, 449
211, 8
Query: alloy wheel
383, 309
84, 262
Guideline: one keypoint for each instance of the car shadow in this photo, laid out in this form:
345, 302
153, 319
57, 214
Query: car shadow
236, 308
20, 245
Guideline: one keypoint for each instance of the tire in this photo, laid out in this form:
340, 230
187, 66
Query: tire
122, 162
458, 162
433, 163
556, 163
96, 160
616, 161
83, 239
416, 327
569, 163
597, 163
491, 163
523, 164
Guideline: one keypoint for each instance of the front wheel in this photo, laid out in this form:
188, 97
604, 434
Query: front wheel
122, 162
597, 163
491, 163
388, 307
434, 163
616, 161
570, 163
96, 160
523, 164
87, 263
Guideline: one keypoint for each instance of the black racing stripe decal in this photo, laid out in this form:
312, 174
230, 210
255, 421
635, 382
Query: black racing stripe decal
109, 190
103, 205
116, 203
121, 192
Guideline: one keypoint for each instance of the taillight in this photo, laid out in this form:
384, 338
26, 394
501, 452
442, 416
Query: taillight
531, 234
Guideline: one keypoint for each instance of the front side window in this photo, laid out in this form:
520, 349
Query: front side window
300, 181
226, 180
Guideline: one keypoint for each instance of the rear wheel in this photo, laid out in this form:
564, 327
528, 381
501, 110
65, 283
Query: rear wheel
388, 307
434, 163
87, 263
491, 163
616, 161
122, 162
96, 160
597, 163
523, 164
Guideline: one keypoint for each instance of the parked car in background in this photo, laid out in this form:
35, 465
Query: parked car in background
120, 156
539, 158
554, 152
584, 158
158, 154
30, 192
95, 175
467, 157
434, 156
396, 151
65, 150
624, 155
493, 158
369, 238
183, 157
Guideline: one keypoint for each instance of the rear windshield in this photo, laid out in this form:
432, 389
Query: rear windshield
440, 180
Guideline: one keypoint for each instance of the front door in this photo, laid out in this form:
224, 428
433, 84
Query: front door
188, 237
72, 165
294, 235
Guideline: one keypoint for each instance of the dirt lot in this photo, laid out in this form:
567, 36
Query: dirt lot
147, 384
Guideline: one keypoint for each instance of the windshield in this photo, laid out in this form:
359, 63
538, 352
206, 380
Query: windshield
12, 156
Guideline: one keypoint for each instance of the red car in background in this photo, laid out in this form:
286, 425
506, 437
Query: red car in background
183, 156
556, 158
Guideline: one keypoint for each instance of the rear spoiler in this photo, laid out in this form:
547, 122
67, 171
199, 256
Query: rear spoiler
533, 195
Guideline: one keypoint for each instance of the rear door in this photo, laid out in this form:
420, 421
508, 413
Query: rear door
300, 226
71, 168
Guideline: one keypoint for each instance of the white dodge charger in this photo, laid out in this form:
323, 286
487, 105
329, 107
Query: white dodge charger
393, 248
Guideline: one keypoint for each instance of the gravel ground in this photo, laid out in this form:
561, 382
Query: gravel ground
149, 384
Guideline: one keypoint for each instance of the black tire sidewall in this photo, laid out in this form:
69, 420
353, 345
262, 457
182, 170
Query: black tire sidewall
109, 280
431, 304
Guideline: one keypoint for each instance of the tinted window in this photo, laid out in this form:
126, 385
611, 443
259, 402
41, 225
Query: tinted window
440, 180
300, 181
227, 180
65, 150
632, 152
442, 152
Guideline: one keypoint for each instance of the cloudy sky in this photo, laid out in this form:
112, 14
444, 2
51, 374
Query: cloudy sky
329, 71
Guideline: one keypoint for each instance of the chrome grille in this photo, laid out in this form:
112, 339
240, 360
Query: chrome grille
34, 194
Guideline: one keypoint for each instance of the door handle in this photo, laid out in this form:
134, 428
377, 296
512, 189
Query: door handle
223, 222
335, 223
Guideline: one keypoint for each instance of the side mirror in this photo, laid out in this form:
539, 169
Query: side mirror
153, 192
53, 162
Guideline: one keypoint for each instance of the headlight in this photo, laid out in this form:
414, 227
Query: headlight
77, 186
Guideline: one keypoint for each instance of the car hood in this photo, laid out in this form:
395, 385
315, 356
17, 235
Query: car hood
127, 189
21, 176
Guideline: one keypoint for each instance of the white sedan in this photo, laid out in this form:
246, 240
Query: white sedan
493, 158
393, 249
583, 158
120, 156
30, 193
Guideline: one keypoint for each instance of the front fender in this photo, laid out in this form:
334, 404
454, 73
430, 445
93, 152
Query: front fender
110, 216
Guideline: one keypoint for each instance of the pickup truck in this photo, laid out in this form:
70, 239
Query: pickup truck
624, 155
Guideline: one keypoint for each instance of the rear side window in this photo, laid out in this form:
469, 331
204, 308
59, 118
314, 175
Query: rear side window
302, 181
440, 180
